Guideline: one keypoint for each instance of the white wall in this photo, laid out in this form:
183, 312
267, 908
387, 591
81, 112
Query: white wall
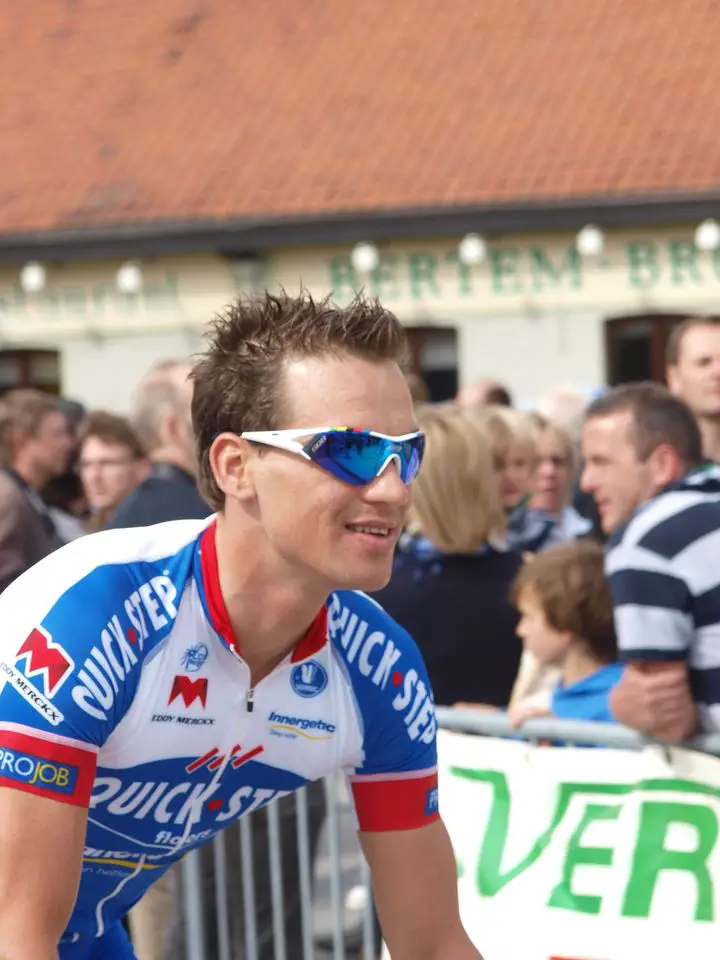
103, 373
532, 353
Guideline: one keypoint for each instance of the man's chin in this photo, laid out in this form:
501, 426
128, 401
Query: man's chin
368, 581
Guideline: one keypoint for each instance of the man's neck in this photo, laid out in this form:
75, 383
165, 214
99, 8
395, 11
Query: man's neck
579, 664
710, 432
269, 607
30, 473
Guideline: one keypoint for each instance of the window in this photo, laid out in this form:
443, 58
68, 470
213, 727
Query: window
30, 368
434, 357
635, 347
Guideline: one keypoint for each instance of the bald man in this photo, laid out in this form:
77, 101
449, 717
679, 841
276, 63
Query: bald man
161, 417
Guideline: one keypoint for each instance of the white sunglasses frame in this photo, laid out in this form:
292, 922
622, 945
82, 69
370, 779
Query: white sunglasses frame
288, 440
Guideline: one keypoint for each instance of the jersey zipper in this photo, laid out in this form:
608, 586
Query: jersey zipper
250, 700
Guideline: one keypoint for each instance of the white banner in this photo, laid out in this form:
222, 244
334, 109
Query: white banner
583, 854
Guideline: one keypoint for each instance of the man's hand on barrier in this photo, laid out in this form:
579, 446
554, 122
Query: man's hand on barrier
655, 699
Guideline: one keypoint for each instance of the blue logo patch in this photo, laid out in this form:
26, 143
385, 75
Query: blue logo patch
194, 658
37, 772
431, 802
308, 679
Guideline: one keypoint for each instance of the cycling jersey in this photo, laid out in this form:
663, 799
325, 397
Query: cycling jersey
122, 688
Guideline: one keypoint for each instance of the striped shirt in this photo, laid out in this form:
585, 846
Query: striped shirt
664, 573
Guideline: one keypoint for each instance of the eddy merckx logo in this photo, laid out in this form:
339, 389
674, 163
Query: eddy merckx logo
301, 726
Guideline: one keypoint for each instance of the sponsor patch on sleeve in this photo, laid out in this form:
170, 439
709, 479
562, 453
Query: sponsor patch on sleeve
58, 768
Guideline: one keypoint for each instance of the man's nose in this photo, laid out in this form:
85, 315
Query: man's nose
586, 480
388, 487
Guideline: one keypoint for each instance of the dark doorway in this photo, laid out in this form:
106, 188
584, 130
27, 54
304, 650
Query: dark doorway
434, 358
30, 368
635, 347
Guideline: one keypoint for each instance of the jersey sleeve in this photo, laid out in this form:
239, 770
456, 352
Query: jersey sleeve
395, 786
68, 670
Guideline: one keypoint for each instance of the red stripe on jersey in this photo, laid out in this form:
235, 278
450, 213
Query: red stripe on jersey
395, 804
313, 641
47, 768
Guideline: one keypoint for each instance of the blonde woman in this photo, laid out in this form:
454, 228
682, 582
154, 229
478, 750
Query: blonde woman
552, 481
512, 439
450, 587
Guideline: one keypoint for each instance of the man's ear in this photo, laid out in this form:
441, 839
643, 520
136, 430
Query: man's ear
665, 465
230, 457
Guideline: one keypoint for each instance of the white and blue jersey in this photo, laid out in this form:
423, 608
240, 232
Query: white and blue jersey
122, 689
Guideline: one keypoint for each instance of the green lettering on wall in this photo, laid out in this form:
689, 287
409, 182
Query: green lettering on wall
15, 301
383, 282
101, 295
464, 273
546, 274
651, 857
643, 266
74, 299
504, 270
683, 262
343, 282
423, 267
161, 294
577, 855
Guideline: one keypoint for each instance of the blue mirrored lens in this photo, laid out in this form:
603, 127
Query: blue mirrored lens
357, 457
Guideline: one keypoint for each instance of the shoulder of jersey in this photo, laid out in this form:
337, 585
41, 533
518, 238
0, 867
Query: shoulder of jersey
369, 641
83, 585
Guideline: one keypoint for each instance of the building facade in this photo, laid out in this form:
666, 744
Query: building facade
533, 313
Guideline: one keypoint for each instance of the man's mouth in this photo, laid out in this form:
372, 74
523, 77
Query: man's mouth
374, 531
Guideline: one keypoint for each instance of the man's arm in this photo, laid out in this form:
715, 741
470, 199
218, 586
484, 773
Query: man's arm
13, 559
41, 848
655, 629
415, 887
655, 699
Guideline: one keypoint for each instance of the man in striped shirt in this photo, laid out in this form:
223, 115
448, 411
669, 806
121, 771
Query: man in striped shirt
661, 509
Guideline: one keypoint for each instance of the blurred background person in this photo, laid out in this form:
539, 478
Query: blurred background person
452, 575
565, 405
35, 445
111, 464
63, 494
161, 417
693, 374
484, 393
554, 475
512, 446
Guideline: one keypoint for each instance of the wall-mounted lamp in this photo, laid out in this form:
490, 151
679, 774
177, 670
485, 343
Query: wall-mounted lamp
472, 249
590, 241
707, 235
33, 277
364, 258
129, 278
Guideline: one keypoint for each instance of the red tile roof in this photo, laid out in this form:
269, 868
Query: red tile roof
130, 111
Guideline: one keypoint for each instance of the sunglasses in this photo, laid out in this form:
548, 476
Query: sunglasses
356, 456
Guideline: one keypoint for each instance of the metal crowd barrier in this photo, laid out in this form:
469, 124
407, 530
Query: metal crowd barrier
332, 927
487, 724
335, 899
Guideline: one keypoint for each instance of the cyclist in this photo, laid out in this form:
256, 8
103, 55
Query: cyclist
160, 682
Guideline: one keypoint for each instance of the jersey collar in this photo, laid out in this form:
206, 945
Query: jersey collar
211, 595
